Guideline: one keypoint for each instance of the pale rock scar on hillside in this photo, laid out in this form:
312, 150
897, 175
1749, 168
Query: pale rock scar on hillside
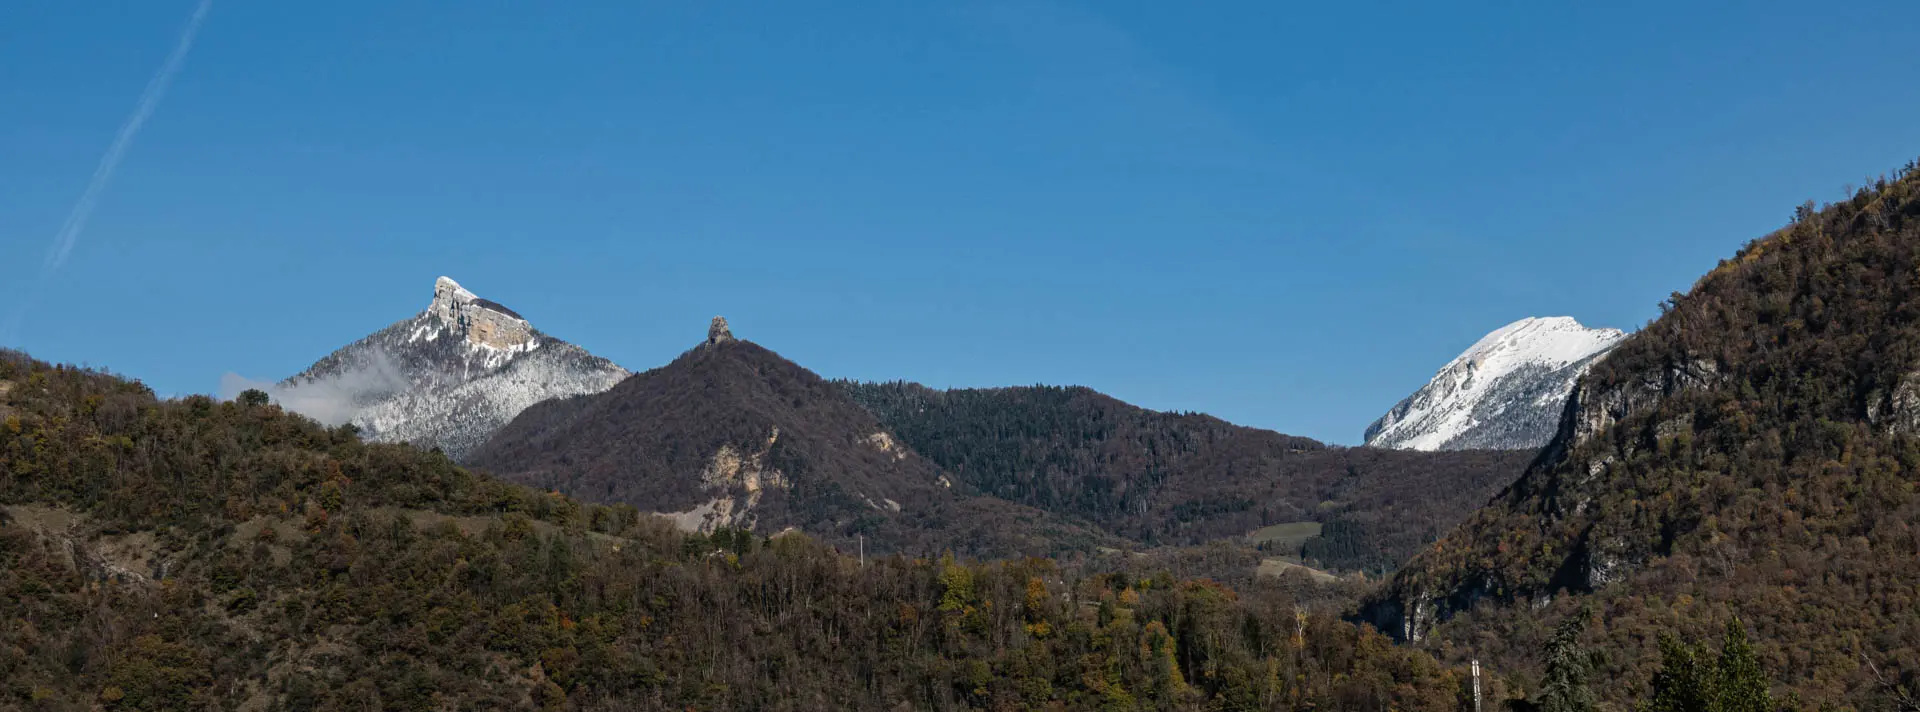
738, 483
883, 442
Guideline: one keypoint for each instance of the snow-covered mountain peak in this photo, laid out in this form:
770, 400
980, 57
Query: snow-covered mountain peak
445, 287
448, 376
1505, 391
1547, 340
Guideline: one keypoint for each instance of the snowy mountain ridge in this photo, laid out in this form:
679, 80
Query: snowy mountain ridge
447, 377
1504, 392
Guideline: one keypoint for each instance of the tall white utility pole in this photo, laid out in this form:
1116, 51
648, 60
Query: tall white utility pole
863, 550
1476, 685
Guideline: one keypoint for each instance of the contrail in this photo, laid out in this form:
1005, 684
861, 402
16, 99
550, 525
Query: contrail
69, 234
149, 100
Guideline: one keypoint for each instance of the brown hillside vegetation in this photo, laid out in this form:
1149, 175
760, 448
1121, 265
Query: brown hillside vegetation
1185, 478
1753, 451
190, 554
777, 446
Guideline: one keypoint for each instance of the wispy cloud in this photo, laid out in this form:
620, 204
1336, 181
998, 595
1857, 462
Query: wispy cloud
69, 235
331, 399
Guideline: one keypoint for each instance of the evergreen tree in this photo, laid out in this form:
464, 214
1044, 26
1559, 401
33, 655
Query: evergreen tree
1742, 684
1683, 684
1565, 687
1692, 680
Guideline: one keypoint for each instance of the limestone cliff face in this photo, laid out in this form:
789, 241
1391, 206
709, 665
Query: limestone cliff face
1592, 409
483, 323
448, 377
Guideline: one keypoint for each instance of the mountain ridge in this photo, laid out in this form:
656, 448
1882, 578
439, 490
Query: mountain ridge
1185, 478
732, 435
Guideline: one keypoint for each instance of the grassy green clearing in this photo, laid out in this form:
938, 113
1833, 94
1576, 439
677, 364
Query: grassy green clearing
1285, 537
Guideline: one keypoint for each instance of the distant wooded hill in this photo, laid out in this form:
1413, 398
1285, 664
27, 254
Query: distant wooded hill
1185, 478
731, 435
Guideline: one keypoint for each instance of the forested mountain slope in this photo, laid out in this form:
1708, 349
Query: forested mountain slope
1183, 478
731, 435
191, 554
1753, 451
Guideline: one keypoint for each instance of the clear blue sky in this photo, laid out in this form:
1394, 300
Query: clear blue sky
1287, 215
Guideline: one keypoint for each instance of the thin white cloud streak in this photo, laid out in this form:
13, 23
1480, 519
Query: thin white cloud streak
69, 234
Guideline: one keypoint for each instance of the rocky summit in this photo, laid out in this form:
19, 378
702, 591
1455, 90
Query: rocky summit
447, 377
717, 332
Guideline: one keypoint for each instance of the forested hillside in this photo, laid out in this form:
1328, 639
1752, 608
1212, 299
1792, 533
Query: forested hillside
1752, 452
192, 554
1184, 478
732, 435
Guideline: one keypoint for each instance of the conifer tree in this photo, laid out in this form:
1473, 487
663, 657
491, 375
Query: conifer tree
1742, 684
1565, 687
1683, 683
1691, 679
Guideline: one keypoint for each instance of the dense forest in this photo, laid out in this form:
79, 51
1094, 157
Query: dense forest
1186, 478
1750, 453
193, 554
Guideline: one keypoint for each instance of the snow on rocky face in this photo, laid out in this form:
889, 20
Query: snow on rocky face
1506, 392
448, 377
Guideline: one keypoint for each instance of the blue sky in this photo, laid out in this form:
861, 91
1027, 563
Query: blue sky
1287, 215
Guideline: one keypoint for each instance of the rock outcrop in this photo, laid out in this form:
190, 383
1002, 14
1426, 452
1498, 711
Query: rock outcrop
485, 324
737, 482
1897, 412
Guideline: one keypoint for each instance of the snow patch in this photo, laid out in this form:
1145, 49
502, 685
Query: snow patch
447, 284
